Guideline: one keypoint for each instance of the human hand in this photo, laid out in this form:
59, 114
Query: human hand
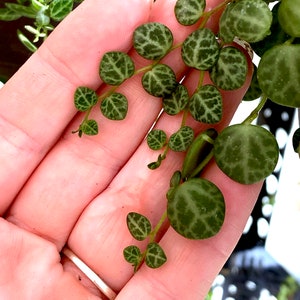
57, 189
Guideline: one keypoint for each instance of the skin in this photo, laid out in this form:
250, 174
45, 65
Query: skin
58, 189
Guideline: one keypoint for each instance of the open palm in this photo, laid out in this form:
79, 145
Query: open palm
58, 189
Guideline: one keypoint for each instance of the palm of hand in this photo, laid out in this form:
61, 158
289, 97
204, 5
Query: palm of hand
79, 191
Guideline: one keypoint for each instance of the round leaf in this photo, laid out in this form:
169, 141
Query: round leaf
230, 71
89, 127
206, 105
196, 209
279, 74
156, 139
115, 67
288, 14
200, 50
138, 225
246, 153
250, 20
188, 12
132, 254
160, 81
181, 140
115, 106
85, 98
155, 256
177, 101
152, 40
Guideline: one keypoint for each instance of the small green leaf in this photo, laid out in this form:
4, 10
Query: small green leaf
296, 141
36, 4
115, 106
152, 40
196, 209
177, 101
8, 15
24, 11
138, 225
175, 179
60, 9
200, 50
155, 256
182, 139
84, 98
246, 153
254, 90
133, 255
230, 71
116, 67
156, 139
188, 12
88, 127
206, 105
156, 164
160, 81
26, 42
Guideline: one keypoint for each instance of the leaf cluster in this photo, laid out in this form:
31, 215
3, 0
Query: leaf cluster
44, 13
245, 152
140, 228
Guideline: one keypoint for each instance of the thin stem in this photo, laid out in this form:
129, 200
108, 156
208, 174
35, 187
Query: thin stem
254, 114
108, 93
157, 227
201, 78
144, 69
209, 13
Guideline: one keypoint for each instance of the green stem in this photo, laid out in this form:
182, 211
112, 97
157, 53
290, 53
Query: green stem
254, 114
208, 14
155, 230
201, 79
144, 69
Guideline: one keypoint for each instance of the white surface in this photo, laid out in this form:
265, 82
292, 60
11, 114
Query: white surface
283, 242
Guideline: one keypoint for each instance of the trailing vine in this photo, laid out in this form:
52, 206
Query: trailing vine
245, 152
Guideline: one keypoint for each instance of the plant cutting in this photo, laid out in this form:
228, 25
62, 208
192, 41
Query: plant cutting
245, 152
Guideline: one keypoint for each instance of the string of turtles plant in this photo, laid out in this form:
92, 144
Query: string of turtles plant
247, 153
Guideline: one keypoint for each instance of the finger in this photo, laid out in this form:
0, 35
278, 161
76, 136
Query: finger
76, 170
30, 268
37, 103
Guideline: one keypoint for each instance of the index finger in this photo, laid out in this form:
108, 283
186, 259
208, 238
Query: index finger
36, 104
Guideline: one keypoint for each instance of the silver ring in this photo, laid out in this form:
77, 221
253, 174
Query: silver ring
98, 282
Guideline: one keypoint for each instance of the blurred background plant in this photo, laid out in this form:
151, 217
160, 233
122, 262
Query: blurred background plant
27, 23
